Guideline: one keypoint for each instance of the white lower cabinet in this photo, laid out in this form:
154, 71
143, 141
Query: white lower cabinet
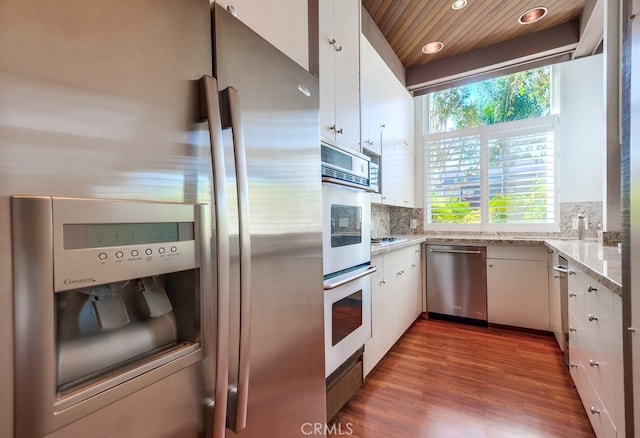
595, 352
377, 346
396, 301
518, 286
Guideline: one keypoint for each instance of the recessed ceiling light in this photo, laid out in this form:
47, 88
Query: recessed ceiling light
459, 4
532, 15
432, 47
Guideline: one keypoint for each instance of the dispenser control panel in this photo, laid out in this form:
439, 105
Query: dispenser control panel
101, 241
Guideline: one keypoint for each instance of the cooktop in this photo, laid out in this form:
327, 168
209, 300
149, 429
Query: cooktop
387, 240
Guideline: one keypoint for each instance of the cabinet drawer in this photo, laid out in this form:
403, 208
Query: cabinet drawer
401, 256
597, 412
515, 252
577, 292
577, 342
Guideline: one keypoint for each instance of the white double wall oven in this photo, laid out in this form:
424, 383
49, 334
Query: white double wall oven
346, 254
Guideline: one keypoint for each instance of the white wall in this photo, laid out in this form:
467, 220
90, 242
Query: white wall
581, 131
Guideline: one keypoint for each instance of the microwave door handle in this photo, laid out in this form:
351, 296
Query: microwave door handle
237, 417
329, 285
216, 410
328, 179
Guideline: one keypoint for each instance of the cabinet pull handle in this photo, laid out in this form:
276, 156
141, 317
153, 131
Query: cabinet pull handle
334, 43
573, 365
593, 363
594, 411
592, 289
573, 329
572, 294
592, 317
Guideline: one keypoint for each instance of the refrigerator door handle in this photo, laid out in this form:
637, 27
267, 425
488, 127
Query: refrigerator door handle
216, 410
237, 417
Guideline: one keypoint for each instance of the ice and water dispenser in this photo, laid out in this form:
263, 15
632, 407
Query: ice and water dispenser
107, 299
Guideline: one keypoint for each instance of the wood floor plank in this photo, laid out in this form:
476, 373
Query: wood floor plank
448, 380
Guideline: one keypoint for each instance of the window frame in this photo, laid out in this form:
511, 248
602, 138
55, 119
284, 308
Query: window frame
519, 127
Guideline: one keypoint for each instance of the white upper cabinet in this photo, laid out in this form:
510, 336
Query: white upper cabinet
398, 152
339, 51
284, 23
388, 126
372, 97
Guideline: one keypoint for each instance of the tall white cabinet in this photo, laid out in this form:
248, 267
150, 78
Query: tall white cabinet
339, 51
266, 18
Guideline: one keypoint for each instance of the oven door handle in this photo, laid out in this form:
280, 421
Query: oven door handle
342, 281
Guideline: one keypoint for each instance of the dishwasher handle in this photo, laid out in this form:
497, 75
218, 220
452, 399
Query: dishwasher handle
561, 268
456, 251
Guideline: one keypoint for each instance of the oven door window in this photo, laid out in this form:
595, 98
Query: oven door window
346, 225
346, 316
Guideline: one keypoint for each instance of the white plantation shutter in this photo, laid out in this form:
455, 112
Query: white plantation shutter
453, 179
492, 175
521, 178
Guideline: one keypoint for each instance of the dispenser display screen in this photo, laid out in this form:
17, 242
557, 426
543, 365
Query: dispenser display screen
78, 236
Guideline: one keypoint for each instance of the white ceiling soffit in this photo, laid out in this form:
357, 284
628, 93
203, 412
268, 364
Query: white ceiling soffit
560, 43
550, 44
591, 28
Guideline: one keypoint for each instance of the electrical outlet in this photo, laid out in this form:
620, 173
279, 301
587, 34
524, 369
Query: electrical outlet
414, 224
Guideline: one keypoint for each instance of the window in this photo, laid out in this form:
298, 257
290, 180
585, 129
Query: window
489, 175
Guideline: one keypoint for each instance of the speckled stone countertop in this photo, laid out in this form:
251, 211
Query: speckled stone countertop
602, 263
412, 239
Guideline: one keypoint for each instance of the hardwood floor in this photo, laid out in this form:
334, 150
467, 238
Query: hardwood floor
443, 380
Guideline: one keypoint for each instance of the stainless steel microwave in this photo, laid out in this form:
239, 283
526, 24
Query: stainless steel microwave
343, 167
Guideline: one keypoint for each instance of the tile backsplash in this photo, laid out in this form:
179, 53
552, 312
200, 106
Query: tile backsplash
386, 220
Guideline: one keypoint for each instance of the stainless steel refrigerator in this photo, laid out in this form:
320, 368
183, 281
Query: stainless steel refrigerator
105, 110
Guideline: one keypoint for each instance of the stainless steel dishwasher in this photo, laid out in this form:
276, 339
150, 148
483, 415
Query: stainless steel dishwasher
457, 283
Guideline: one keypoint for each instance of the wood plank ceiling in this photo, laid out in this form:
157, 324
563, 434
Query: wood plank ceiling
409, 24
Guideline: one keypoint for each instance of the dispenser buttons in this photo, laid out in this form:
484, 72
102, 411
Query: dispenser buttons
102, 256
161, 250
134, 253
119, 254
174, 249
148, 251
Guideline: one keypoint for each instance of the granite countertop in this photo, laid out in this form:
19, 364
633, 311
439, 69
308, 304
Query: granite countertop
603, 263
412, 239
